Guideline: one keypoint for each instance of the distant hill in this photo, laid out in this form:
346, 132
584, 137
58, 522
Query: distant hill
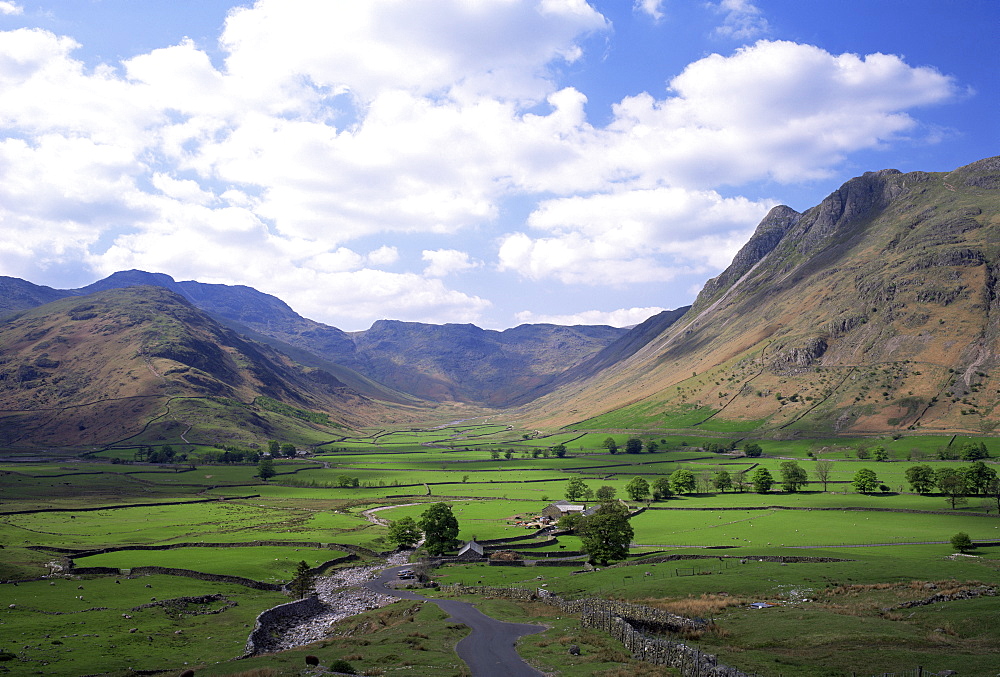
142, 363
461, 362
17, 294
874, 311
392, 361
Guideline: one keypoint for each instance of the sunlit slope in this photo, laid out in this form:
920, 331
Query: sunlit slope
105, 367
874, 311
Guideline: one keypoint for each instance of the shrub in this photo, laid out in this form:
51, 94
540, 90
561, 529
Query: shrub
340, 665
312, 660
962, 542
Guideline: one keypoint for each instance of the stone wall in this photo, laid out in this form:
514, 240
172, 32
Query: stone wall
219, 578
280, 617
129, 505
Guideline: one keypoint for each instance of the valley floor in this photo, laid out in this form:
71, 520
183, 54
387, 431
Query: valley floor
99, 557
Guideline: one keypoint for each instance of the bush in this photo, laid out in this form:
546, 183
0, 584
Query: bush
341, 665
312, 660
962, 542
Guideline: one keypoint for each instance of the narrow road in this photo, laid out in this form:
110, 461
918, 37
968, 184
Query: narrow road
489, 649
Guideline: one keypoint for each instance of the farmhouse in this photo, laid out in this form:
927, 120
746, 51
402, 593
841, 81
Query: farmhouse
554, 511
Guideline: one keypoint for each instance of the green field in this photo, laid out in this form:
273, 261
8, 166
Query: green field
262, 563
87, 504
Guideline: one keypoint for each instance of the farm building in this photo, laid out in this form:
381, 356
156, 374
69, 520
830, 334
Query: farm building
471, 550
554, 511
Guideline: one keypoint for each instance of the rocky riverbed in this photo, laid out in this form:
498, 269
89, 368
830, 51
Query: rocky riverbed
340, 596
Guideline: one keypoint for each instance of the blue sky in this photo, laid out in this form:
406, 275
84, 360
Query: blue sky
486, 161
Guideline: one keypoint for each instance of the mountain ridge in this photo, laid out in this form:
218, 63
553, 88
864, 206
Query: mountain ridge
889, 270
394, 361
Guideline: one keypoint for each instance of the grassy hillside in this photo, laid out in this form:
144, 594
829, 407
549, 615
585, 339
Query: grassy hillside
874, 311
142, 364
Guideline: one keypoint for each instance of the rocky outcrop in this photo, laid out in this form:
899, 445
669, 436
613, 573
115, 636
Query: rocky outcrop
778, 222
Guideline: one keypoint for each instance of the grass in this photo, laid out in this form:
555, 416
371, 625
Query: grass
53, 632
793, 528
260, 563
304, 504
415, 637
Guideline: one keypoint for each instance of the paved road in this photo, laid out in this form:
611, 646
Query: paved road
489, 649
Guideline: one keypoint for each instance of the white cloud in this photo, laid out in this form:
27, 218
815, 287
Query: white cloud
338, 261
383, 256
7, 7
421, 46
185, 190
361, 296
442, 262
776, 110
623, 317
743, 20
651, 7
333, 121
632, 236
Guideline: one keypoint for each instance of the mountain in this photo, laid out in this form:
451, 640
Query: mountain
874, 311
142, 363
399, 362
461, 362
17, 294
617, 351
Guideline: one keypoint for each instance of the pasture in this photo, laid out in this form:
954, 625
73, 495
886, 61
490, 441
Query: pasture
49, 511
271, 564
74, 627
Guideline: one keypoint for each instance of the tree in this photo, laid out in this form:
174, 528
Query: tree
865, 481
921, 478
569, 521
762, 480
793, 477
880, 454
974, 451
682, 481
559, 450
740, 480
823, 469
722, 480
273, 447
576, 489
606, 493
652, 446
495, 454
610, 445
633, 446
440, 528
288, 450
951, 483
404, 532
302, 583
752, 450
606, 534
637, 489
962, 542
661, 488
978, 477
265, 469
993, 492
